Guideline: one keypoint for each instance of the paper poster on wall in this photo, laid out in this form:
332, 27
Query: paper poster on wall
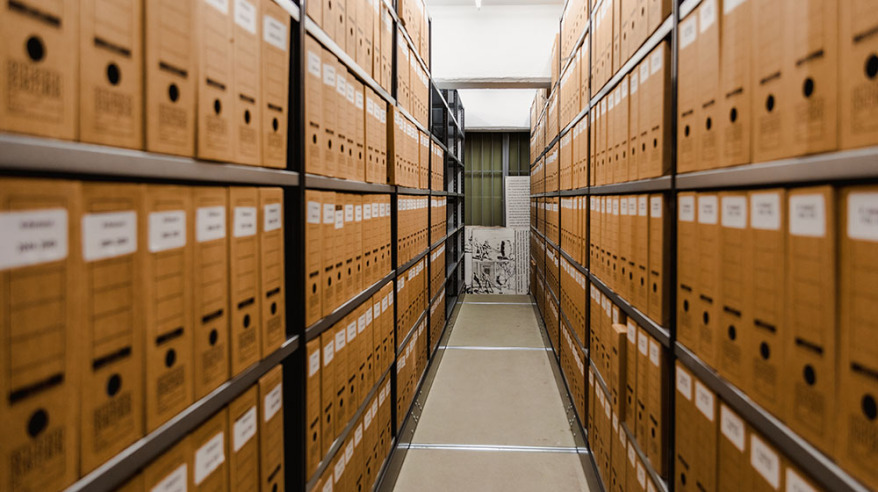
495, 260
517, 201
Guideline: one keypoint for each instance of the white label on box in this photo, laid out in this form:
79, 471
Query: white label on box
327, 487
210, 223
688, 31
765, 461
328, 74
807, 215
615, 422
32, 237
358, 434
707, 209
272, 219
367, 418
339, 218
732, 427
341, 84
375, 210
863, 216
611, 101
352, 329
167, 230
350, 93
644, 71
244, 429
328, 213
734, 212
642, 209
358, 213
632, 333
615, 206
313, 363
765, 211
358, 100
687, 208
650, 487
244, 222
348, 452
633, 80
273, 402
729, 6
655, 207
795, 483
654, 352
274, 32
704, 400
108, 235
656, 61
641, 474
328, 353
376, 310
209, 457
707, 14
643, 343
313, 212
368, 319
370, 106
349, 213
176, 481
684, 383
338, 471
340, 340
245, 15
632, 455
314, 63
221, 5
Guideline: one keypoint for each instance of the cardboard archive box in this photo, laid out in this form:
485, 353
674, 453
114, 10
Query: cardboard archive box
170, 471
170, 75
271, 265
772, 117
707, 301
215, 135
687, 271
659, 261
271, 430
858, 109
275, 56
111, 73
208, 443
313, 449
167, 298
735, 55
314, 201
244, 441
244, 289
687, 95
112, 393
315, 134
210, 288
40, 320
733, 466
708, 104
735, 243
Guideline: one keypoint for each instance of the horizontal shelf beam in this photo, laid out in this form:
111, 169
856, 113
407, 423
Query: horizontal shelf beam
644, 321
575, 47
411, 191
411, 331
340, 312
846, 165
808, 458
581, 269
28, 154
405, 266
494, 83
662, 183
315, 182
128, 462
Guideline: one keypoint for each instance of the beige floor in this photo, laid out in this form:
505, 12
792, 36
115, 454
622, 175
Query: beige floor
493, 419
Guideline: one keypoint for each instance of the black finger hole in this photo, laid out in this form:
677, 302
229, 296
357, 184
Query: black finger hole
733, 115
246, 321
274, 124
733, 334
113, 74
764, 350
314, 139
247, 116
173, 92
869, 409
654, 287
810, 375
273, 308
654, 143
686, 131
217, 106
213, 337
709, 123
705, 317
170, 358
114, 384
683, 478
872, 66
769, 103
808, 87
686, 306
40, 420
36, 50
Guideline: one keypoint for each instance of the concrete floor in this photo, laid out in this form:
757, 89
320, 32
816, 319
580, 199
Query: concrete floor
493, 419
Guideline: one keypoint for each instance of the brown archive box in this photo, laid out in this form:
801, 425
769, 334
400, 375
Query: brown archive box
39, 84
687, 271
812, 65
244, 441
244, 290
210, 469
330, 284
858, 106
686, 435
359, 115
642, 390
708, 143
707, 301
764, 351
735, 269
659, 261
735, 97
215, 111
705, 427
111, 73
271, 430
765, 466
275, 54
640, 296
314, 131
810, 371
629, 415
112, 332
170, 471
271, 264
246, 74
167, 298
313, 451
210, 288
688, 124
732, 452
39, 321
170, 77
315, 11
771, 101
329, 20
330, 164
313, 256
340, 389
655, 100
327, 390
858, 348
657, 441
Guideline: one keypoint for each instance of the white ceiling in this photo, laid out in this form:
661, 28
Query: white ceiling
493, 3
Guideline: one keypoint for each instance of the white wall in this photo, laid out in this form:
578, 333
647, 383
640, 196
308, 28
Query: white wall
497, 108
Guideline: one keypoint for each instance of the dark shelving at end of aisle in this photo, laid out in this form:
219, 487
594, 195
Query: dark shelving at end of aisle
822, 469
128, 462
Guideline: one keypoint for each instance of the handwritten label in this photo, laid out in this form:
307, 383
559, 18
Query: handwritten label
244, 222
209, 457
273, 402
272, 220
765, 211
807, 215
33, 237
108, 235
244, 429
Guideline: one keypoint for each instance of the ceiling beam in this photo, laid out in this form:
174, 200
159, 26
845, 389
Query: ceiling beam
494, 83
